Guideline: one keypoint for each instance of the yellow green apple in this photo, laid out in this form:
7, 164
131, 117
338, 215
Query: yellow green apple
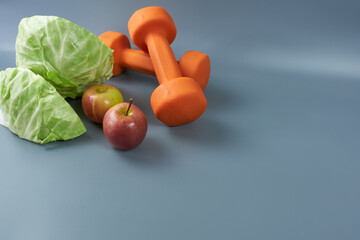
98, 99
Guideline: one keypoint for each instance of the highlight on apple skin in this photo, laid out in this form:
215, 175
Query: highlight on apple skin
125, 126
98, 99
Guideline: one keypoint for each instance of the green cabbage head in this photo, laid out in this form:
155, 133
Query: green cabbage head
32, 108
68, 56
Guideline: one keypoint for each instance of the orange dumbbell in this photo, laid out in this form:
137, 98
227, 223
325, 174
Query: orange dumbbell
177, 100
192, 64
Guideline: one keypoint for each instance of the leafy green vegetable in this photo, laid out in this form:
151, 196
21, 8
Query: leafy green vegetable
32, 108
68, 56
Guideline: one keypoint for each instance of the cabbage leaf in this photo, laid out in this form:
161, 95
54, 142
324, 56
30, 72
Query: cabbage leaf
68, 56
32, 108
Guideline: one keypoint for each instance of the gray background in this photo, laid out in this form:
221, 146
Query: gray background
275, 156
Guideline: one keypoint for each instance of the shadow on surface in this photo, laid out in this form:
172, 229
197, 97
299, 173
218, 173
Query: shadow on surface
206, 131
76, 105
78, 141
132, 77
218, 98
148, 153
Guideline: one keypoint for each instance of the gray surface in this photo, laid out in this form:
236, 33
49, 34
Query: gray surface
275, 156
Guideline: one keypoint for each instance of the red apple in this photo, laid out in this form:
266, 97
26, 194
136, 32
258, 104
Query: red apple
125, 126
98, 99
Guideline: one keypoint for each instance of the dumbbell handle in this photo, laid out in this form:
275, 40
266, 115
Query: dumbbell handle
162, 57
130, 58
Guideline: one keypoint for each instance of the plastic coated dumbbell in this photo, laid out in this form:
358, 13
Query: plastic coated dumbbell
177, 100
192, 64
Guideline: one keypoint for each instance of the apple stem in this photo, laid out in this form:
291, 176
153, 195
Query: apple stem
130, 102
